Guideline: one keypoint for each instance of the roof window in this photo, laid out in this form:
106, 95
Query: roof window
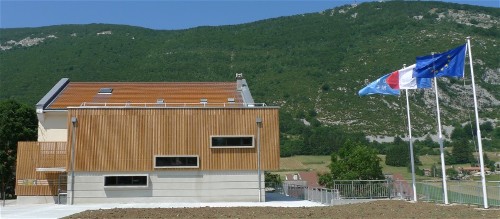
105, 90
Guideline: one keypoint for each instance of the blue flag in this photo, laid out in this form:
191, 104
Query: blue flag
447, 64
391, 83
379, 86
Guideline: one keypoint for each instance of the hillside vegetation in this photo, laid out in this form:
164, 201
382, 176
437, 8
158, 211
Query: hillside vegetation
311, 65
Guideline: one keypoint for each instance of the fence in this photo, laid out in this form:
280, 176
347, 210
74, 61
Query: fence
461, 192
363, 189
343, 189
322, 195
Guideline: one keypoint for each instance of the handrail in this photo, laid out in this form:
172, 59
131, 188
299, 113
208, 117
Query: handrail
165, 105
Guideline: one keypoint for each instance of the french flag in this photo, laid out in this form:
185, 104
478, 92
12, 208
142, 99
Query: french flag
403, 79
391, 83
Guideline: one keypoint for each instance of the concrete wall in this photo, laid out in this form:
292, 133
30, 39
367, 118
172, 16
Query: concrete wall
53, 126
170, 186
24, 200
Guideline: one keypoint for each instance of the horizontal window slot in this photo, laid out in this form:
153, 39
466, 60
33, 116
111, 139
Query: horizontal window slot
112, 181
188, 161
232, 142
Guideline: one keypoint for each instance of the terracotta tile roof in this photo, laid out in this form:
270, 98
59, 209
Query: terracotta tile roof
473, 168
76, 93
310, 177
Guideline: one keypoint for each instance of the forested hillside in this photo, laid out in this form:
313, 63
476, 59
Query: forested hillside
311, 65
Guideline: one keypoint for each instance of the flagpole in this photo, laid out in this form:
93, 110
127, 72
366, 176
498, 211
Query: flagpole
411, 150
479, 141
441, 147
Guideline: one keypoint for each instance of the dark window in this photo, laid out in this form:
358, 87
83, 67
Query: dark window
232, 141
125, 180
187, 161
106, 90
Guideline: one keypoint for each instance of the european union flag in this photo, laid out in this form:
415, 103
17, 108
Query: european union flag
447, 64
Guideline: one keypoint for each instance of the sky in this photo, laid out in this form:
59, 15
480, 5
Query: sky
166, 14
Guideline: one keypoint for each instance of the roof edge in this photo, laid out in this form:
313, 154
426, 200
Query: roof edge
132, 107
45, 101
245, 91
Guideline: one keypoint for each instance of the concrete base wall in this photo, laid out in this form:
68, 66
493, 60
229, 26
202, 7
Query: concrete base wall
36, 200
352, 201
169, 186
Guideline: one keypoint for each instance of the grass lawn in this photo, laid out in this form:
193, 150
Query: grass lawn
289, 165
320, 164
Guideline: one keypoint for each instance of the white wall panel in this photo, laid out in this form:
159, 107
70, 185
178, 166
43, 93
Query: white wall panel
187, 186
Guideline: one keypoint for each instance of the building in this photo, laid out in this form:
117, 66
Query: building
148, 142
302, 185
308, 179
473, 170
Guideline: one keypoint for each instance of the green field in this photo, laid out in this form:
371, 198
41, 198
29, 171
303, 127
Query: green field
303, 163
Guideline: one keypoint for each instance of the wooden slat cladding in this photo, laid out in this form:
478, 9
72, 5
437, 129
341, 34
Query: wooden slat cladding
52, 154
120, 139
32, 155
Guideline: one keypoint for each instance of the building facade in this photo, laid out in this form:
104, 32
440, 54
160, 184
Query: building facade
149, 142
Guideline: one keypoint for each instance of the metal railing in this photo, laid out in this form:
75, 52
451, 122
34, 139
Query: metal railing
167, 105
461, 192
342, 189
322, 195
62, 192
363, 189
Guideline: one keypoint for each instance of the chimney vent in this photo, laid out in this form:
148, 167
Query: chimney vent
239, 81
239, 76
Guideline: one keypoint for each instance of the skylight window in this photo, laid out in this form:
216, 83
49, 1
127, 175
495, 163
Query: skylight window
105, 90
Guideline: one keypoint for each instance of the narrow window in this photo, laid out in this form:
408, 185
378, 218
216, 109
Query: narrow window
125, 180
105, 90
187, 161
232, 142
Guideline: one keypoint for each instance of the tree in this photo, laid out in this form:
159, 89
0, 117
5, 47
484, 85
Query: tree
486, 127
354, 161
487, 162
452, 173
458, 133
461, 152
17, 123
271, 179
398, 154
324, 140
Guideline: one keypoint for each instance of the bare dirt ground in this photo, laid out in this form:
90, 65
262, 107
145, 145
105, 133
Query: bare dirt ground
377, 209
